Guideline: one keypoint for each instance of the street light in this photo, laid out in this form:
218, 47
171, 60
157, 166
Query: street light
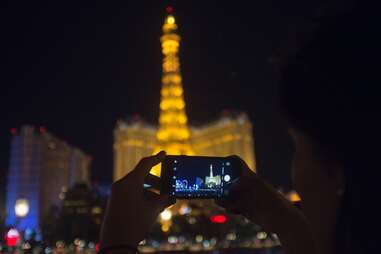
12, 237
166, 215
21, 207
165, 218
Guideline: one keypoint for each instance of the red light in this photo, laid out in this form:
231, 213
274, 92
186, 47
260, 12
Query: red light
220, 218
97, 247
13, 131
12, 237
169, 9
42, 130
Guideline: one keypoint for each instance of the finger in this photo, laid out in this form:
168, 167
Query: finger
241, 186
232, 194
152, 181
145, 165
242, 164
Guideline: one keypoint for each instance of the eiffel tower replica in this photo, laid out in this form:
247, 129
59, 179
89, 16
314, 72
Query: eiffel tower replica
135, 139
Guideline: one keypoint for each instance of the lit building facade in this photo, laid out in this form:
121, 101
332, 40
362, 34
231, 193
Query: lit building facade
133, 140
41, 169
232, 134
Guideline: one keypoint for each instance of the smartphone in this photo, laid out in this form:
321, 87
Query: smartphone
198, 177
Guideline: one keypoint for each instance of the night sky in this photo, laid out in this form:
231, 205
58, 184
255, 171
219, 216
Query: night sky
76, 68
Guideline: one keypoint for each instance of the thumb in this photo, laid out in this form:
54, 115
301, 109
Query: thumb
145, 165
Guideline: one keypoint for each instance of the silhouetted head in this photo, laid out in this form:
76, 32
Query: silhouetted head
330, 95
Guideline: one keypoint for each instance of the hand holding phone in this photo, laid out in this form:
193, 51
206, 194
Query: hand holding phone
191, 177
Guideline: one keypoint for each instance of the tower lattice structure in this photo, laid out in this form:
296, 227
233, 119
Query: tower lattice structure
173, 133
134, 138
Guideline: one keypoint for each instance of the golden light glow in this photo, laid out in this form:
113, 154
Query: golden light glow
178, 134
169, 118
165, 228
170, 44
293, 196
171, 78
171, 20
165, 219
177, 91
172, 103
173, 133
164, 92
182, 119
21, 207
166, 215
134, 140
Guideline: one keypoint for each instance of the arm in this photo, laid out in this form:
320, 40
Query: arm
255, 199
131, 210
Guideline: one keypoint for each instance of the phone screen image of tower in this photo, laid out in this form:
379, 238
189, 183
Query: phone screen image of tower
203, 178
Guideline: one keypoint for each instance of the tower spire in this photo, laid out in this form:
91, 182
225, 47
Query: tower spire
173, 133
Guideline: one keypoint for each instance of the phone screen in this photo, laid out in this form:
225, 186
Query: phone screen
199, 177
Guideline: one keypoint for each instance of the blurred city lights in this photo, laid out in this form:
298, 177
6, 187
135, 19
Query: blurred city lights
231, 236
170, 19
60, 244
42, 130
26, 246
28, 233
172, 239
21, 207
97, 247
91, 245
96, 210
219, 219
206, 244
48, 250
166, 215
12, 237
185, 209
261, 235
192, 220
199, 238
76, 241
165, 228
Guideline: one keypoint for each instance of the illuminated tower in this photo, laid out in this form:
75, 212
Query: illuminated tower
135, 138
211, 180
173, 133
